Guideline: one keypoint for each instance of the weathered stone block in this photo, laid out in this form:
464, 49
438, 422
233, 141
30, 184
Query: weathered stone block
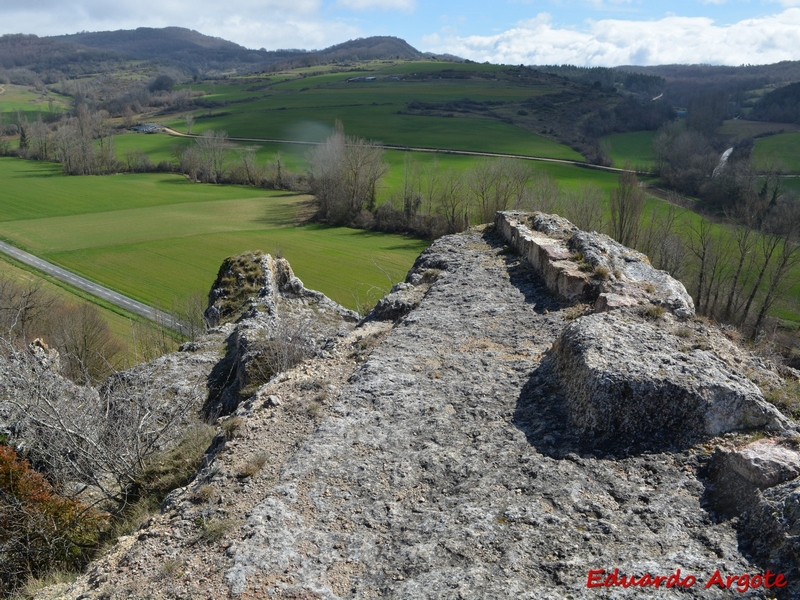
626, 380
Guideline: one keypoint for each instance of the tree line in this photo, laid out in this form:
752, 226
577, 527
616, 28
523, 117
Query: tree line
736, 276
736, 268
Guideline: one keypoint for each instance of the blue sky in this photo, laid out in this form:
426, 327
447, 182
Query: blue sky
583, 32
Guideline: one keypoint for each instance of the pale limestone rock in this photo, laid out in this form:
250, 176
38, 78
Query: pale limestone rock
626, 380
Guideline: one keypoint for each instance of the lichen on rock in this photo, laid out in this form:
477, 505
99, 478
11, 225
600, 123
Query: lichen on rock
627, 380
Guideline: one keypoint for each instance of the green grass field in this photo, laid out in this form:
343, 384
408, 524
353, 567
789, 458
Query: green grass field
634, 148
31, 102
293, 156
782, 149
161, 147
304, 106
33, 190
159, 237
383, 124
792, 183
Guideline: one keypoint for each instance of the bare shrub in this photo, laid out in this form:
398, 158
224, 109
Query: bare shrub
279, 349
89, 350
103, 440
189, 310
344, 173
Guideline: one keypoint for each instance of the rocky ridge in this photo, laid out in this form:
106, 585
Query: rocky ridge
512, 417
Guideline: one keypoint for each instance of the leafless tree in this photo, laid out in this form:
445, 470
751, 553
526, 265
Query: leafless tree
212, 148
127, 116
344, 173
90, 352
544, 193
497, 185
412, 187
701, 245
431, 178
661, 242
451, 201
189, 310
191, 162
189, 118
520, 175
73, 143
627, 202
584, 206
38, 134
252, 172
781, 232
21, 306
745, 240
480, 180
136, 161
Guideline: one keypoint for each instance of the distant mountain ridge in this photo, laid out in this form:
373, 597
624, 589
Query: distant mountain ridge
182, 48
370, 48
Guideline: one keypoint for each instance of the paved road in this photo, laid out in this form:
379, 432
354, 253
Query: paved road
100, 291
176, 133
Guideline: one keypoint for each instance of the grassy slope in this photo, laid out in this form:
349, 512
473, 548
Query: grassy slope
634, 148
37, 190
306, 109
346, 264
19, 98
120, 322
784, 147
159, 147
741, 128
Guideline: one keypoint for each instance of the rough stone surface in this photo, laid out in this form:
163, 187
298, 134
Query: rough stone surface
579, 265
626, 380
257, 283
401, 300
433, 457
738, 474
282, 306
607, 302
770, 530
764, 463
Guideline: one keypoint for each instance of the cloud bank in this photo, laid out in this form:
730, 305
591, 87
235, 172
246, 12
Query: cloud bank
610, 42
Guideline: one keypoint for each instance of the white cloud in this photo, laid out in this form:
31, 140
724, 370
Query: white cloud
610, 42
407, 5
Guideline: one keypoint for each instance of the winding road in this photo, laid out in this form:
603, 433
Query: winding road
129, 304
563, 161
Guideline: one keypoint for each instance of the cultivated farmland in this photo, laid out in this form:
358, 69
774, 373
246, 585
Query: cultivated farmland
464, 100
159, 237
